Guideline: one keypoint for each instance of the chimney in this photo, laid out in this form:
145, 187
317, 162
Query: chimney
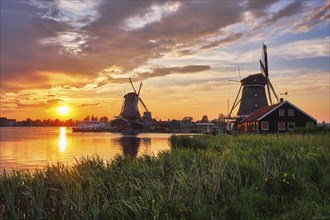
281, 99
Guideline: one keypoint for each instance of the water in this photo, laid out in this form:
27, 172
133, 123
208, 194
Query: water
35, 147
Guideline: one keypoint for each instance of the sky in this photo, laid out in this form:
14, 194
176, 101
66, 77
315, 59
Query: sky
80, 53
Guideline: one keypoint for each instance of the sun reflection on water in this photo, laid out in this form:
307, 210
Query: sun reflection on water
62, 142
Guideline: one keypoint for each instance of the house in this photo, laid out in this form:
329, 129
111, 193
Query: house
283, 116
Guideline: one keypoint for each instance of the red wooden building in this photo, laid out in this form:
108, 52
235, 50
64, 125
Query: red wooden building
283, 116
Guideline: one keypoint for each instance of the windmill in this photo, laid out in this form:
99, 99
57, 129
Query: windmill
253, 90
130, 106
129, 119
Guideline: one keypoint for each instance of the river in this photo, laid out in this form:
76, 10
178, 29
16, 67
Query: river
35, 147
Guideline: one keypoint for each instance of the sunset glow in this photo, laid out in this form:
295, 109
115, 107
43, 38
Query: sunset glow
184, 52
63, 110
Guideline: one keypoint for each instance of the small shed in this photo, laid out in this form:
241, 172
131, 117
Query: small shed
280, 117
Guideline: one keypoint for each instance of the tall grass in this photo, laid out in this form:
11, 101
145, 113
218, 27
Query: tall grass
228, 177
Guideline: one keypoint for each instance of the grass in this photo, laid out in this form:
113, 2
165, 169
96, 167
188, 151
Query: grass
203, 177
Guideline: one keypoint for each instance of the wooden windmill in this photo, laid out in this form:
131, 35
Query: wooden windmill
130, 108
253, 90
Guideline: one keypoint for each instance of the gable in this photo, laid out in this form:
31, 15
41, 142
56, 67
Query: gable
290, 105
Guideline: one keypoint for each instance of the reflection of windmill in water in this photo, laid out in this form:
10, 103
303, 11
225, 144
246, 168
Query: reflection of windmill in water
130, 116
130, 145
253, 95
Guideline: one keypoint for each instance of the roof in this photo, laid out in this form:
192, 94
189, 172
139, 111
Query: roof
258, 79
266, 110
261, 112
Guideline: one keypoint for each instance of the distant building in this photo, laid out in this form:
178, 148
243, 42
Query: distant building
7, 122
204, 127
280, 117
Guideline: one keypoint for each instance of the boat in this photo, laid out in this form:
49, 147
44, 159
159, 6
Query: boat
91, 126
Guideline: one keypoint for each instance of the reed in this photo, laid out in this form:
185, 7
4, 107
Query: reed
216, 177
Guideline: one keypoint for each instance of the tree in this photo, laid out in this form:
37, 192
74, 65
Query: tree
104, 119
87, 118
93, 118
205, 118
221, 118
188, 119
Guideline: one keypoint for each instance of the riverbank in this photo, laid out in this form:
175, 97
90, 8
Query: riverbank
217, 177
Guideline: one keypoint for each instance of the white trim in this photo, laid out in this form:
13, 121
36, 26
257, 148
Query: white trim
271, 111
281, 110
267, 125
302, 111
292, 112
280, 106
294, 125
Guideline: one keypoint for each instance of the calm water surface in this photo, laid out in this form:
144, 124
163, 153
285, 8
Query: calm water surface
31, 148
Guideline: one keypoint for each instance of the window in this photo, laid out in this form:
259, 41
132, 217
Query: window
281, 125
291, 112
291, 126
264, 126
281, 112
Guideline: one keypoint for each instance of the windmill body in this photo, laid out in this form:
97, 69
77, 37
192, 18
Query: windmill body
253, 94
130, 107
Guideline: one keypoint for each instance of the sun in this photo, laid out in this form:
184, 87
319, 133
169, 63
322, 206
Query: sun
63, 110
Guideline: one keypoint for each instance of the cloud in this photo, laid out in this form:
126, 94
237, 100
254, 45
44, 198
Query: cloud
290, 10
304, 49
317, 16
68, 42
43, 105
87, 105
230, 38
75, 14
155, 13
167, 71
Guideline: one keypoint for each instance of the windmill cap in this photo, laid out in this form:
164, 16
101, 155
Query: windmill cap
258, 79
130, 95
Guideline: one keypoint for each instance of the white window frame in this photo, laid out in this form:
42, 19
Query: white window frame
294, 126
278, 126
264, 129
290, 112
281, 112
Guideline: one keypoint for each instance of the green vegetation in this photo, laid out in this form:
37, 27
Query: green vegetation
203, 177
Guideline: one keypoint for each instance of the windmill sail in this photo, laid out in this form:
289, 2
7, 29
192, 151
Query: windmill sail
264, 61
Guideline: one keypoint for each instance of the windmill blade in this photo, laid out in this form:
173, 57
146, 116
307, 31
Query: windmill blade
271, 86
235, 104
263, 69
265, 59
239, 73
139, 89
269, 95
232, 80
145, 107
132, 84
